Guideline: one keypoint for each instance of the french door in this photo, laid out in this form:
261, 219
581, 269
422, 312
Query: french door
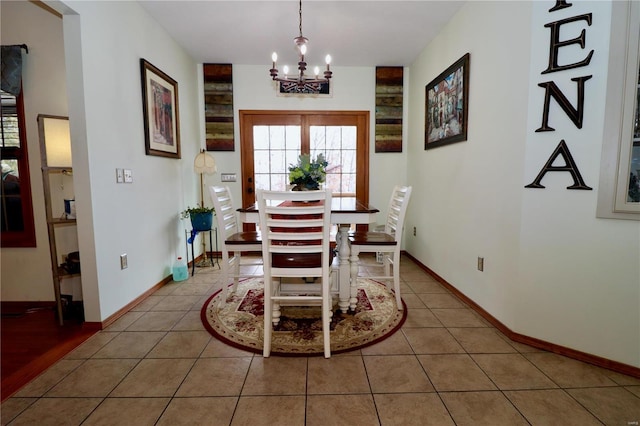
272, 140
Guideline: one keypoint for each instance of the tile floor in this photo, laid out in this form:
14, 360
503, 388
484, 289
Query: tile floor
157, 365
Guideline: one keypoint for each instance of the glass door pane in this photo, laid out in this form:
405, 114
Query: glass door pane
275, 147
338, 144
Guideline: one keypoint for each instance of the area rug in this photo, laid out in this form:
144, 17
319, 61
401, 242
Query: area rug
240, 322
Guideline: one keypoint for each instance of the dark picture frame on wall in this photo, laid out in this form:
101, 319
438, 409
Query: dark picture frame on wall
160, 109
324, 92
447, 105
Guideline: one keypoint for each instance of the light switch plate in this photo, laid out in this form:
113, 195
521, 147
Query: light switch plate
228, 177
119, 176
128, 177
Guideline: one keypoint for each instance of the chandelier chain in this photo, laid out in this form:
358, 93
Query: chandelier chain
300, 16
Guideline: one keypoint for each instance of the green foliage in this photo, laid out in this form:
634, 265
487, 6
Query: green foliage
308, 173
185, 214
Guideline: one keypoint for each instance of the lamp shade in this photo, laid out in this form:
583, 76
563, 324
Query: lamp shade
57, 142
204, 163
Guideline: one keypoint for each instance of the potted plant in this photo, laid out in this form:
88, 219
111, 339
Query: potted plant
308, 174
201, 217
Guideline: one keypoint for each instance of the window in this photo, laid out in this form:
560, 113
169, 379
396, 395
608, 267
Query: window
17, 227
633, 192
619, 189
271, 141
275, 147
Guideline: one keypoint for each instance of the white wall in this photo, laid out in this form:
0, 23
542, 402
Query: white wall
580, 275
552, 270
26, 272
104, 43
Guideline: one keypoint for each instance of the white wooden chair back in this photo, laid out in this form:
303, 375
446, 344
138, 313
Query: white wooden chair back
234, 241
226, 214
397, 211
295, 227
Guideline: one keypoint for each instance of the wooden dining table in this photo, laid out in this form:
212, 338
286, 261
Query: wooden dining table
345, 211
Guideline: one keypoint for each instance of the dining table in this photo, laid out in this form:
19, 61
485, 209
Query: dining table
345, 212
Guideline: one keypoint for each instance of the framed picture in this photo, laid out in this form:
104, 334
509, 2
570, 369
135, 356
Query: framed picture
447, 106
290, 89
160, 108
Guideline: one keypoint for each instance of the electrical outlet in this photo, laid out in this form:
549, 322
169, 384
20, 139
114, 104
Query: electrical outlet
119, 176
481, 264
128, 176
414, 231
124, 264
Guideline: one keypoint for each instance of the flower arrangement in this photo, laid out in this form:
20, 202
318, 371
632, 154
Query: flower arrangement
308, 174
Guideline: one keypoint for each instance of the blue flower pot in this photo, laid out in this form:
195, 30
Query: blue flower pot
201, 221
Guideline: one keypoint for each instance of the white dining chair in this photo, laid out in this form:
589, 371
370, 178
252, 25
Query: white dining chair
295, 228
387, 243
234, 241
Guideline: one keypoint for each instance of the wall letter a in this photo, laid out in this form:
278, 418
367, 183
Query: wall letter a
570, 166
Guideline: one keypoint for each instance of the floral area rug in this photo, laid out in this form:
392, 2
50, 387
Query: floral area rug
240, 322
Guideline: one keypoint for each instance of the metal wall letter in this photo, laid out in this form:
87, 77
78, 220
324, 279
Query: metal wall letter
575, 114
570, 166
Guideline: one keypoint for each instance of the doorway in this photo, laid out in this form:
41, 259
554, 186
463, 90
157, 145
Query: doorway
272, 140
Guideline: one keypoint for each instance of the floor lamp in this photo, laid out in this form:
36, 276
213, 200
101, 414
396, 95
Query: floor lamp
204, 163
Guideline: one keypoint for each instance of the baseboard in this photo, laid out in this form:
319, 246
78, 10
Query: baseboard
532, 341
23, 306
115, 316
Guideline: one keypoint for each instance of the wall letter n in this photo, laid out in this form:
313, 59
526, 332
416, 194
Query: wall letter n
574, 114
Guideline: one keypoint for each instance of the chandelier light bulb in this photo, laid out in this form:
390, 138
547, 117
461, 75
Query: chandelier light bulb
303, 49
316, 71
285, 69
327, 59
274, 57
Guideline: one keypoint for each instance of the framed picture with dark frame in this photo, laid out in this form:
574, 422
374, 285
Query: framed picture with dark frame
289, 90
447, 106
160, 108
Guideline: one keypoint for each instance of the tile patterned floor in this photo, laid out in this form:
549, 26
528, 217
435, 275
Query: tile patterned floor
157, 365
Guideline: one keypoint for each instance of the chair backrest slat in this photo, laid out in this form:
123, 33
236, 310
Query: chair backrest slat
397, 211
295, 223
226, 214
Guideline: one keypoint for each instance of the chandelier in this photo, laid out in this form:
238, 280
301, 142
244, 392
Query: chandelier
300, 82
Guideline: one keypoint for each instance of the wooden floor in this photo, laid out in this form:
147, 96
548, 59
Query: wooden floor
32, 340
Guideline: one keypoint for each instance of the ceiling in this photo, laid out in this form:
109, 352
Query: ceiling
355, 33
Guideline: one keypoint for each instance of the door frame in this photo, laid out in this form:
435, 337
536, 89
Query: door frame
249, 118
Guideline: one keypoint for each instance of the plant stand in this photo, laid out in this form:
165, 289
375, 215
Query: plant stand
212, 260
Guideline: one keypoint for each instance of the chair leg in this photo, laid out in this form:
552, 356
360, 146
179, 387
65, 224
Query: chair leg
236, 276
268, 326
326, 322
396, 279
387, 264
224, 278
